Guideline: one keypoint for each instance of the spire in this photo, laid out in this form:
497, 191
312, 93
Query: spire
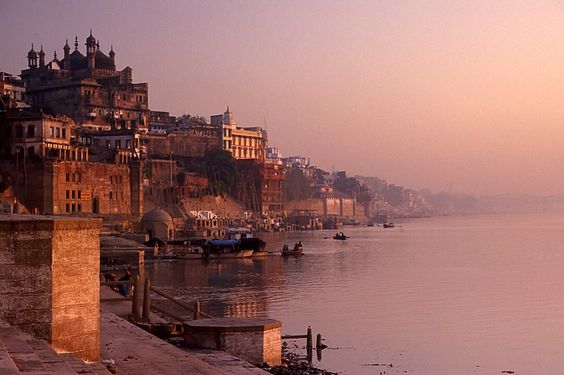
98, 45
76, 42
55, 55
41, 56
32, 57
66, 47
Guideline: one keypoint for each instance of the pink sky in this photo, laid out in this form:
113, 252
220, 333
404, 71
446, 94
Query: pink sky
468, 94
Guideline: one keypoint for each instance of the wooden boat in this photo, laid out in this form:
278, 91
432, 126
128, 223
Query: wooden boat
340, 236
388, 225
227, 255
296, 251
222, 249
190, 253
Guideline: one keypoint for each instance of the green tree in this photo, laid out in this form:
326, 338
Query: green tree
220, 169
296, 185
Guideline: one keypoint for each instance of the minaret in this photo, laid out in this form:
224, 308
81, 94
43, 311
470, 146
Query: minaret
112, 55
91, 51
32, 58
41, 57
75, 43
66, 48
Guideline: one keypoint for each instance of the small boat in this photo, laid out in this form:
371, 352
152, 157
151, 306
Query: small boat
296, 251
340, 236
388, 225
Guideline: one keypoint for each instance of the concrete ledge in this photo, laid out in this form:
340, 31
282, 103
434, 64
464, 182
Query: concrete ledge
232, 325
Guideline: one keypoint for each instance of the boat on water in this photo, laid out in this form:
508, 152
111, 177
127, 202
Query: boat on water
388, 225
340, 236
247, 241
222, 249
296, 251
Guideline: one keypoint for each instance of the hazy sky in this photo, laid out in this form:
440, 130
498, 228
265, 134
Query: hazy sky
468, 94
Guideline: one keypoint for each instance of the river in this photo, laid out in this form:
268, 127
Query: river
446, 295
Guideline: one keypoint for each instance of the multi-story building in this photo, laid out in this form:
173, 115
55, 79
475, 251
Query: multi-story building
13, 87
49, 172
161, 122
87, 88
243, 143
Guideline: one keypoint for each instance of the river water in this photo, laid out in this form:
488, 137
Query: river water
448, 295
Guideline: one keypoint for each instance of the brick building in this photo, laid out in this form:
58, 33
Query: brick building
261, 186
51, 173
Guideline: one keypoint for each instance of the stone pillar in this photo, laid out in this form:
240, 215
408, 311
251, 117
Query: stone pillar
49, 284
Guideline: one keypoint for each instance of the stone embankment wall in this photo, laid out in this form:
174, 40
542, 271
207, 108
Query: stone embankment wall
49, 284
326, 206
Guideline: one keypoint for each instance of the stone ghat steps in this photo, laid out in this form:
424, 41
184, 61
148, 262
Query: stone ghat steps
22, 354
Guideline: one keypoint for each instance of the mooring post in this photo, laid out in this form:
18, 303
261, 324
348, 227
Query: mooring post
136, 296
196, 310
147, 301
309, 344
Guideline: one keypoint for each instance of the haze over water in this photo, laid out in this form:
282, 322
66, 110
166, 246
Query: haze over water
465, 94
456, 295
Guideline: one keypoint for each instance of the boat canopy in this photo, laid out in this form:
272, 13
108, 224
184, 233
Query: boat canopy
223, 242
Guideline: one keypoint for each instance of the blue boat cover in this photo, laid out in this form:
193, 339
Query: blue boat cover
223, 242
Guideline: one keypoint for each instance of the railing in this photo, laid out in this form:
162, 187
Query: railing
147, 306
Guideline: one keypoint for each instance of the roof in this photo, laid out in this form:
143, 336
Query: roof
157, 215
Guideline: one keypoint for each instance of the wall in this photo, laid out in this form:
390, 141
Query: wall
50, 287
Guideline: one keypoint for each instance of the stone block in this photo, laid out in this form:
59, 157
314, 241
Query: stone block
49, 284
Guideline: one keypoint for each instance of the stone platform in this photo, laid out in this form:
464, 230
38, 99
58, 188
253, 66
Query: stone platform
255, 340
136, 351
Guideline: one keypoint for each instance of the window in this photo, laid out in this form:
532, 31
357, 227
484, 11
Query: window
19, 131
111, 180
73, 195
79, 194
128, 143
64, 133
118, 143
67, 177
51, 132
30, 131
73, 177
79, 176
80, 207
108, 144
30, 151
67, 194
58, 132
73, 207
67, 207
111, 195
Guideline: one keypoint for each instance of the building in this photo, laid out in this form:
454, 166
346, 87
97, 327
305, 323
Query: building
87, 88
13, 87
261, 187
50, 172
243, 143
161, 122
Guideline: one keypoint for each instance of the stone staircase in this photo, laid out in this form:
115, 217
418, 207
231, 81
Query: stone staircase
22, 354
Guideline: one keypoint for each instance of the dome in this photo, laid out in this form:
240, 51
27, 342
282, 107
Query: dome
32, 54
157, 215
91, 40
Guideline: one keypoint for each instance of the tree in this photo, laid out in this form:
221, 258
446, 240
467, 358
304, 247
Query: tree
296, 185
220, 169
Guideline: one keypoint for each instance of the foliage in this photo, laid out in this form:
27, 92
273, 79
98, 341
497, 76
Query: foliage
189, 120
220, 169
296, 185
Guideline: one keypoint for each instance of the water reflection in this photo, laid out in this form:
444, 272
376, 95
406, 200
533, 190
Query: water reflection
475, 295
